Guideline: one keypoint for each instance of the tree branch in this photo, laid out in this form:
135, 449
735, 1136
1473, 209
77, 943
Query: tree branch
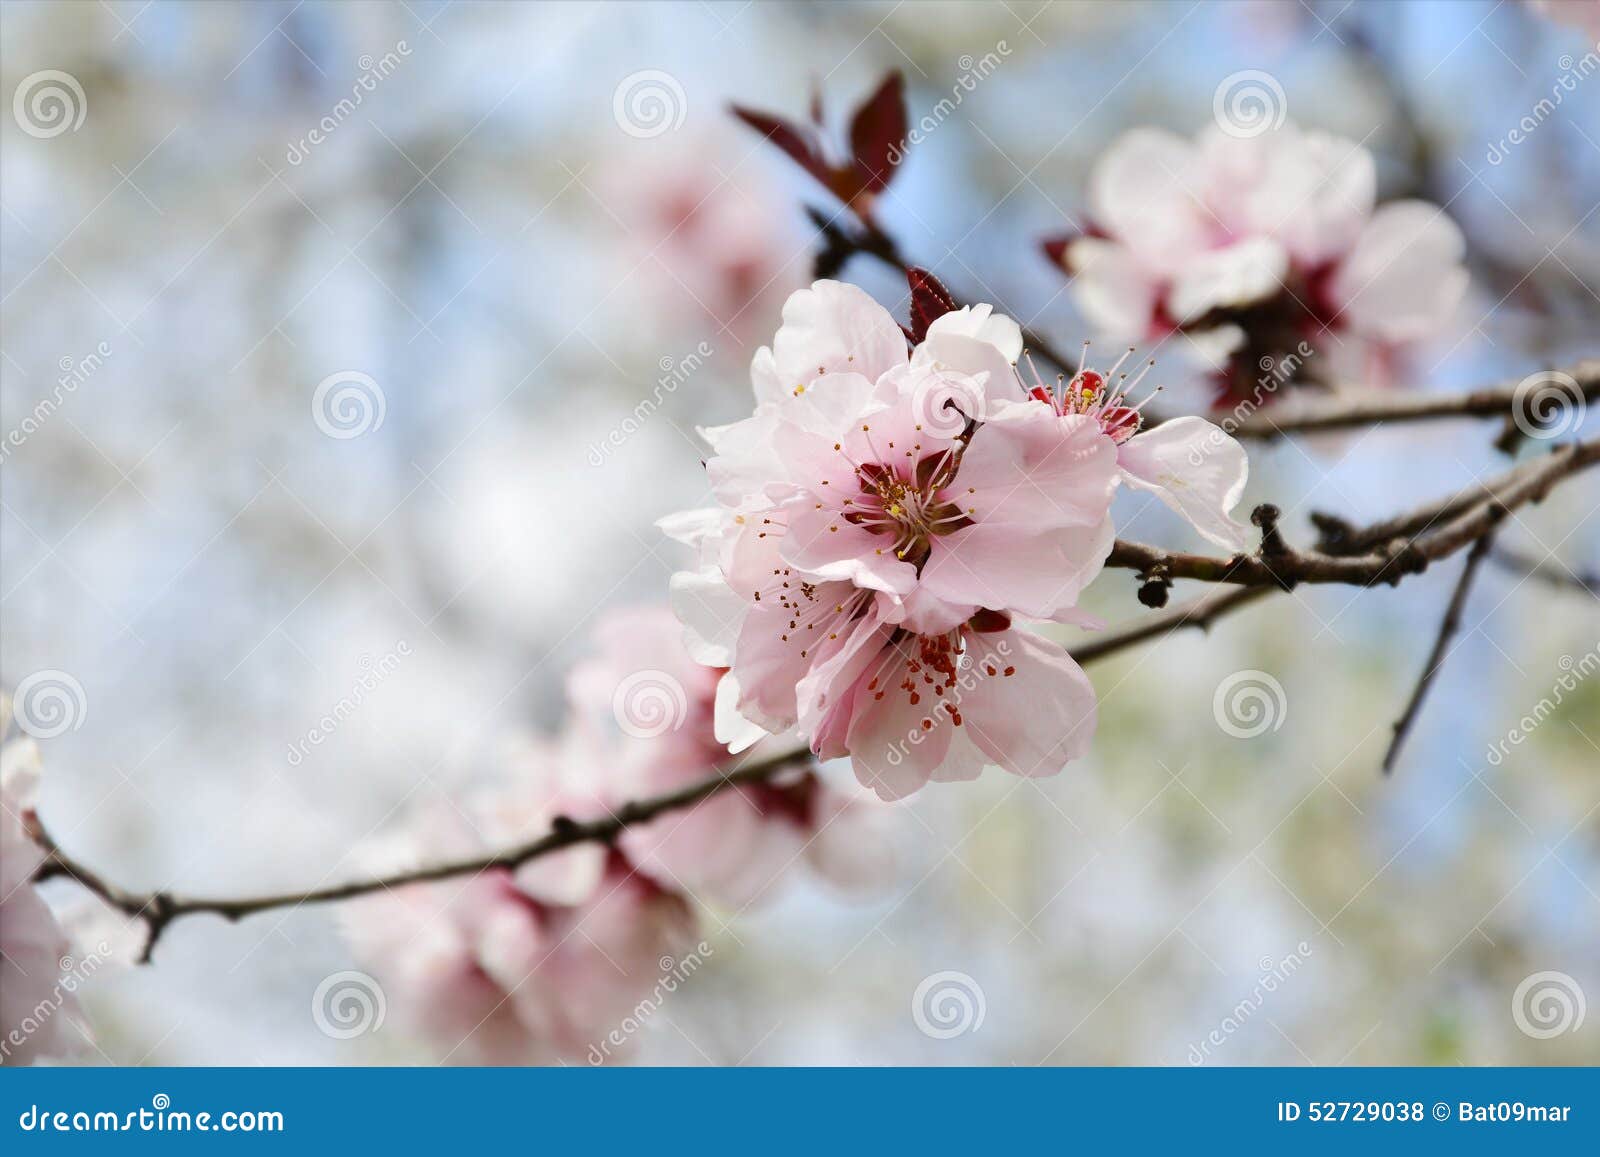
1342, 413
1388, 552
1448, 626
1277, 566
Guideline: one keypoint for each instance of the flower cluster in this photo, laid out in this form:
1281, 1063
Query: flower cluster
1252, 245
542, 962
886, 513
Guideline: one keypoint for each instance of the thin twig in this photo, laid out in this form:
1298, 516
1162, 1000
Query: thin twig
1372, 408
1277, 566
1417, 539
158, 909
1555, 574
1448, 626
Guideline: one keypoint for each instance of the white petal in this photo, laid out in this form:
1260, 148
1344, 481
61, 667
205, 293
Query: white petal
1404, 278
1239, 274
710, 612
1197, 470
834, 327
733, 729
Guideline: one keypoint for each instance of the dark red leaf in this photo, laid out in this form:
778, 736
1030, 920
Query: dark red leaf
1055, 248
929, 301
878, 133
798, 143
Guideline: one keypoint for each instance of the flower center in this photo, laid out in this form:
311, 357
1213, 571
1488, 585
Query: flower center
1089, 392
907, 502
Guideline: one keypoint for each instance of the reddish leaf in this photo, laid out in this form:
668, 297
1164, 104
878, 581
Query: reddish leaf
878, 133
929, 301
1055, 248
796, 142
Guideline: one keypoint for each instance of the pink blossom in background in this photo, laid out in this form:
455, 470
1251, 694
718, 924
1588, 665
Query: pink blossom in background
38, 1014
1249, 245
503, 967
734, 847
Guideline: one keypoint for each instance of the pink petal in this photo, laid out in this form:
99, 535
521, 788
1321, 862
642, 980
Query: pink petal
1404, 278
834, 327
1195, 469
1035, 470
1034, 720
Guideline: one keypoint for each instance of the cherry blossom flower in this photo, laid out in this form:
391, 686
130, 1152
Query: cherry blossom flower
909, 708
1583, 14
1250, 245
884, 507
733, 847
37, 1011
1190, 464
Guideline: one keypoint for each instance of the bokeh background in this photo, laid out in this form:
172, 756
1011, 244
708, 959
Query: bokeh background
514, 270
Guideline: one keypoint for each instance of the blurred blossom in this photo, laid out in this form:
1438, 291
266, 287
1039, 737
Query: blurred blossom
1248, 242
